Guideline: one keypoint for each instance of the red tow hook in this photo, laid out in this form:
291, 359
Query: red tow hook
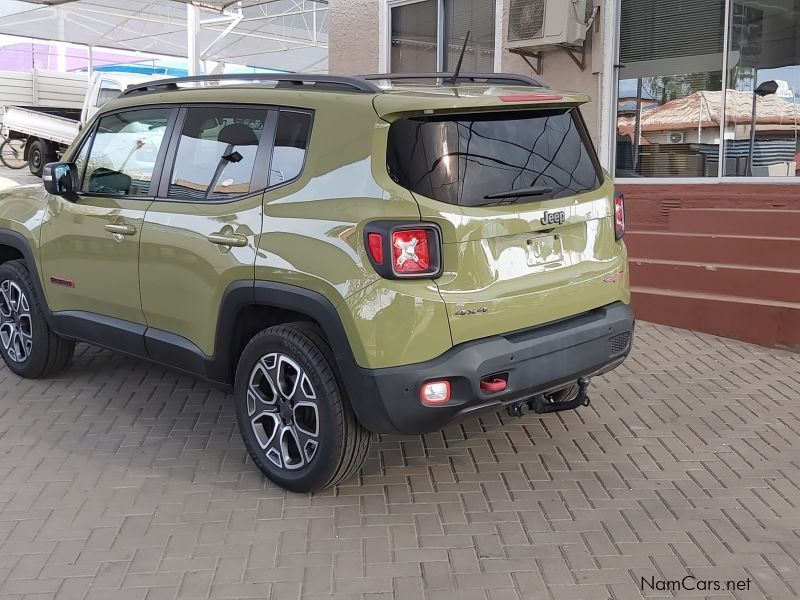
493, 385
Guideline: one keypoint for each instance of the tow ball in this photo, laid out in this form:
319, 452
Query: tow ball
565, 399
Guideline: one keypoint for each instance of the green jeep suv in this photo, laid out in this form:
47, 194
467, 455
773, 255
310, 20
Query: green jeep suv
346, 255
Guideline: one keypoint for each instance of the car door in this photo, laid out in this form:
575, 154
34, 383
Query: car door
90, 244
199, 234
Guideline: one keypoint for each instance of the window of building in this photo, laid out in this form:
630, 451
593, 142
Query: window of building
124, 152
217, 153
428, 35
414, 37
686, 106
291, 142
762, 129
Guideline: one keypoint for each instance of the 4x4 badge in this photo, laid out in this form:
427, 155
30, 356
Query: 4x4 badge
463, 312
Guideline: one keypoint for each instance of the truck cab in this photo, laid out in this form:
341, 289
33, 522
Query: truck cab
49, 130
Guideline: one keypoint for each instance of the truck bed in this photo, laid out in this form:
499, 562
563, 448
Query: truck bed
73, 114
57, 125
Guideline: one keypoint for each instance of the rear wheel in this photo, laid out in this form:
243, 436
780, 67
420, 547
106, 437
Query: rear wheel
27, 345
12, 154
296, 421
38, 156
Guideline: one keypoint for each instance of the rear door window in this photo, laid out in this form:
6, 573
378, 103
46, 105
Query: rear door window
217, 152
467, 159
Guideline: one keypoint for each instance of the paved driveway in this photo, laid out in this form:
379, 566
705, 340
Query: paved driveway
11, 177
122, 480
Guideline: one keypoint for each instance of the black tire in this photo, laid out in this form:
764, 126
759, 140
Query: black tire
28, 346
38, 156
341, 445
12, 154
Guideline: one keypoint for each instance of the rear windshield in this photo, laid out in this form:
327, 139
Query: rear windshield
462, 159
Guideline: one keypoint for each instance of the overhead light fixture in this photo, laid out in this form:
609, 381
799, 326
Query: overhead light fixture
49, 2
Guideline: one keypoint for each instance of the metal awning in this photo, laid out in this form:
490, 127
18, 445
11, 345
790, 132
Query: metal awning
289, 35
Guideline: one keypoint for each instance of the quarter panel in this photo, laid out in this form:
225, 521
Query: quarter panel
396, 322
313, 227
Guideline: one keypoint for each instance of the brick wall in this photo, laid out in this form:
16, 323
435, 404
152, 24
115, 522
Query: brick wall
718, 258
648, 206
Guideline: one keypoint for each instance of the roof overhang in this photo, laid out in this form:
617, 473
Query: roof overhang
290, 35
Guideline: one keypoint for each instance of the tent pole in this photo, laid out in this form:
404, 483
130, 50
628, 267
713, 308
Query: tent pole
192, 31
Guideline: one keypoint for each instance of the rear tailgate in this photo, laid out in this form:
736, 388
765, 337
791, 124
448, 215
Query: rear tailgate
546, 251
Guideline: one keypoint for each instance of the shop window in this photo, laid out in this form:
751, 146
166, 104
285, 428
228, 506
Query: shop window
761, 129
686, 103
670, 89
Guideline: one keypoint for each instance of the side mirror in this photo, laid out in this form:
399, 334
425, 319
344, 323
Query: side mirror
60, 179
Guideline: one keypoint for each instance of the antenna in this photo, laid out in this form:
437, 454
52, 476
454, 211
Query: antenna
454, 78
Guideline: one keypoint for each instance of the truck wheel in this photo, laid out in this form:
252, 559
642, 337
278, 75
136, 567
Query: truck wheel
27, 344
38, 156
295, 419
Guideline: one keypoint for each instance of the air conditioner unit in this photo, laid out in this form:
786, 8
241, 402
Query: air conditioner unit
676, 137
540, 23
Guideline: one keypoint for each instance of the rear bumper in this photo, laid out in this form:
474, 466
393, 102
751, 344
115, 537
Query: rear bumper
536, 360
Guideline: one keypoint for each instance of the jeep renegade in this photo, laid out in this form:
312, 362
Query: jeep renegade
346, 255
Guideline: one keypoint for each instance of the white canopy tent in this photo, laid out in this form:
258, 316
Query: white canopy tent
290, 35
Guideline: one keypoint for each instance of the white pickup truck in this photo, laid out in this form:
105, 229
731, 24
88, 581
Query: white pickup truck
50, 130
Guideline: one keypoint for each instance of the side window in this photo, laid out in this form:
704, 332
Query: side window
109, 90
80, 158
124, 151
217, 152
291, 142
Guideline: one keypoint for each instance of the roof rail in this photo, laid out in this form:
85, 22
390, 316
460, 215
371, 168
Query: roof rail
320, 82
496, 78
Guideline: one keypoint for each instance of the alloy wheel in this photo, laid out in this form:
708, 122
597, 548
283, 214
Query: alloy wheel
283, 412
16, 325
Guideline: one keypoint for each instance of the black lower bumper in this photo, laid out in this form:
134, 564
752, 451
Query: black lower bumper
533, 361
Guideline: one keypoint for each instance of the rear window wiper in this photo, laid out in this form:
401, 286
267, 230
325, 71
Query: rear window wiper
528, 191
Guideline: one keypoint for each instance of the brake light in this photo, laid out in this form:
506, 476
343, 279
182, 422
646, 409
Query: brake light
403, 250
435, 392
530, 98
411, 251
375, 242
619, 215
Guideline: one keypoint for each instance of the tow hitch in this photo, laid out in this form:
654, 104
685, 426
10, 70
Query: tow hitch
564, 399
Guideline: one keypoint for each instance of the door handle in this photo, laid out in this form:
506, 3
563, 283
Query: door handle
233, 239
117, 229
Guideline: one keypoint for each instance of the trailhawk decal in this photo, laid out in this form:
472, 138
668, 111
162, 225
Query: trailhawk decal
62, 282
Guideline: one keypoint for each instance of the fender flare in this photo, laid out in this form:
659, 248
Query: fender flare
18, 242
239, 295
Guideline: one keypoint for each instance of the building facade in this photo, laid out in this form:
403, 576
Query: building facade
710, 169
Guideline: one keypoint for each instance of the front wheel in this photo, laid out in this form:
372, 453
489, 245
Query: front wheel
12, 154
27, 344
295, 420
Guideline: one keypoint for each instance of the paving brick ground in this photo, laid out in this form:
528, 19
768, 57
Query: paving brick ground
121, 480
